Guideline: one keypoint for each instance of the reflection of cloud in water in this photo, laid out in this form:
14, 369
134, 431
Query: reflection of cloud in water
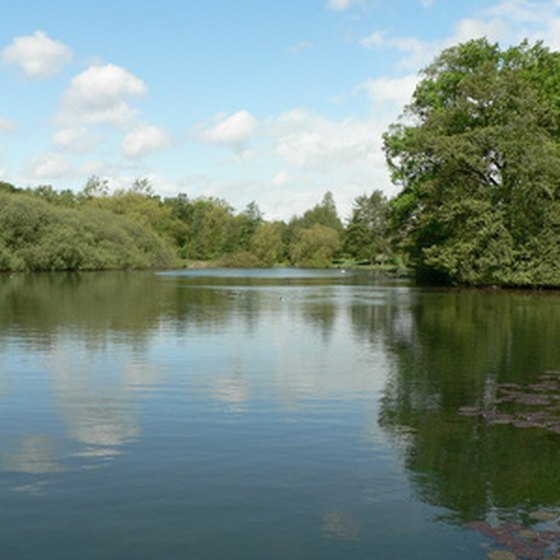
34, 455
341, 525
141, 376
99, 452
35, 489
232, 390
98, 424
94, 403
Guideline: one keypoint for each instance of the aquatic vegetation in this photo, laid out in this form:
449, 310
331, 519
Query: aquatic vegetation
519, 541
534, 406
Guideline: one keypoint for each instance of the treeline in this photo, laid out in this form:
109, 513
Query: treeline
43, 229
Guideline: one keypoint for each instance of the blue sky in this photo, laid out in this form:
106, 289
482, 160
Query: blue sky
265, 100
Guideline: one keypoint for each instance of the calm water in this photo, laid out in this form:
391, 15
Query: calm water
268, 414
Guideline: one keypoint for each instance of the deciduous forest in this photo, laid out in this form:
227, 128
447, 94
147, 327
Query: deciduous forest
44, 229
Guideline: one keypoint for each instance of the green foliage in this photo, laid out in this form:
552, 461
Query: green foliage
479, 167
36, 235
324, 213
267, 243
46, 229
315, 247
239, 259
7, 187
366, 236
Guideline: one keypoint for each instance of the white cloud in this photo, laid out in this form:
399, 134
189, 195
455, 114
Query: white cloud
93, 167
310, 141
427, 3
233, 130
76, 140
37, 55
49, 166
301, 46
144, 140
341, 5
7, 126
527, 19
281, 178
418, 53
473, 28
392, 91
507, 23
98, 96
376, 39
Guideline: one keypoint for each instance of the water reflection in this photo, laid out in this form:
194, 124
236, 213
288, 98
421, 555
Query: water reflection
32, 454
101, 342
455, 352
303, 392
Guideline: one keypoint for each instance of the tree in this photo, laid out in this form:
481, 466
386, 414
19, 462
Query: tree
245, 225
324, 213
366, 234
95, 187
315, 246
209, 225
478, 162
266, 243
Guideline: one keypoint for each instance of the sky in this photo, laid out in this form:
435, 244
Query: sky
270, 101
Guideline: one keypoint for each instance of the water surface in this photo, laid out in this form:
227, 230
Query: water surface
268, 414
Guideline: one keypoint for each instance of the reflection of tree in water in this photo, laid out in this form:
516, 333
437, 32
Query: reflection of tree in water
460, 346
321, 311
107, 306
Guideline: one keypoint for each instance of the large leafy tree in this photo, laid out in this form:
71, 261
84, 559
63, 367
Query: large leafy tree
366, 233
477, 156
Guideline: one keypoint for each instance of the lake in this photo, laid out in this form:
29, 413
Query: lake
279, 414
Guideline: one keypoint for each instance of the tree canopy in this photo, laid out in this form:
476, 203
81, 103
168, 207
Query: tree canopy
45, 229
477, 157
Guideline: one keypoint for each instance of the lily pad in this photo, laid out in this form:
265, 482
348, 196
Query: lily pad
501, 555
469, 411
528, 534
543, 515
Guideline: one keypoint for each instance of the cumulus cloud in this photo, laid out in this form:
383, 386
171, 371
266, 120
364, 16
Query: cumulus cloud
506, 22
392, 91
37, 55
7, 126
310, 141
99, 94
144, 140
418, 53
233, 130
77, 140
49, 166
473, 28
